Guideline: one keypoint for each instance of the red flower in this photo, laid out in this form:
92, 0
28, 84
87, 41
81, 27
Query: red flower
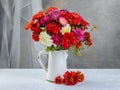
53, 28
87, 34
64, 12
35, 36
77, 20
74, 40
69, 39
67, 15
66, 43
70, 78
38, 15
88, 38
58, 80
50, 9
80, 76
36, 27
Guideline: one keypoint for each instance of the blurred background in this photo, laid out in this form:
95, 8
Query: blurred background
17, 49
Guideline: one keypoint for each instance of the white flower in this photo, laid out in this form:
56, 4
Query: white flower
46, 39
66, 29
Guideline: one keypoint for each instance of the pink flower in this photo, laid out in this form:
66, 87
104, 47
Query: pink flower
55, 14
63, 21
56, 39
79, 33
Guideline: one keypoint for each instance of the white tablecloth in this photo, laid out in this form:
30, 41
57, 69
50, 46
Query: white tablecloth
34, 79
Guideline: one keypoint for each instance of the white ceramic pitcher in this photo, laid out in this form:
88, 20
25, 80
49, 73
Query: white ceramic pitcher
57, 63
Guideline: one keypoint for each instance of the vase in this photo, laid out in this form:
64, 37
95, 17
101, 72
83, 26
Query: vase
57, 63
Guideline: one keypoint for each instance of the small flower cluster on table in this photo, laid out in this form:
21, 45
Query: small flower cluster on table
70, 78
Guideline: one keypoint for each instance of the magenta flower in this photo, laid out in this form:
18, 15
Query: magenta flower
44, 20
56, 39
79, 33
55, 14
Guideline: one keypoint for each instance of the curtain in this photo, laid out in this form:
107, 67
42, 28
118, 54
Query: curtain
17, 49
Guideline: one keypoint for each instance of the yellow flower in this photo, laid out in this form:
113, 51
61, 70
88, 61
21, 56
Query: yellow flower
66, 29
46, 39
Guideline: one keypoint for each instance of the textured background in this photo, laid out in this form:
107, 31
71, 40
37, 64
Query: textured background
105, 52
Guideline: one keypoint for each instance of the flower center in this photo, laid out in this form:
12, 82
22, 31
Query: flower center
71, 79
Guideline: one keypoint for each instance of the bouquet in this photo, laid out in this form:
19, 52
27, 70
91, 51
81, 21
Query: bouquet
60, 30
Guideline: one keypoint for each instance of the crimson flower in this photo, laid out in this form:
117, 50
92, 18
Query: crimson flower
53, 28
69, 39
88, 38
35, 36
58, 80
44, 20
70, 78
57, 38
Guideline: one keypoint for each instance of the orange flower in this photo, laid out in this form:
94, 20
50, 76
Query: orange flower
78, 46
80, 76
58, 80
29, 25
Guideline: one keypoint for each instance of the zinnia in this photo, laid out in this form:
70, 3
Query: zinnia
57, 39
79, 33
54, 14
58, 80
66, 29
70, 78
53, 28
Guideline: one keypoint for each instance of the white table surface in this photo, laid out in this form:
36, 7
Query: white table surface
34, 79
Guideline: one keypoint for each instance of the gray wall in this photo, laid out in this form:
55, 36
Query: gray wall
105, 51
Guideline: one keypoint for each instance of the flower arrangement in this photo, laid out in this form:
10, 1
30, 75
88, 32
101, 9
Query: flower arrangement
70, 78
60, 30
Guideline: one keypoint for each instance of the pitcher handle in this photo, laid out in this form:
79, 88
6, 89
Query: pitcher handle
42, 52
